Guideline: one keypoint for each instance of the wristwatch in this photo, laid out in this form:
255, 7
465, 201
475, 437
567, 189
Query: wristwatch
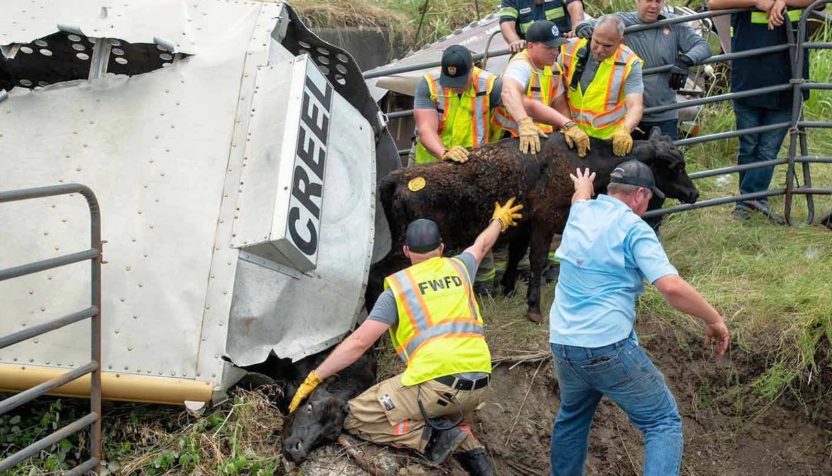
567, 125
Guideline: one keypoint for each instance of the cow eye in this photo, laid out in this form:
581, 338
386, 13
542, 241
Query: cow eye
309, 408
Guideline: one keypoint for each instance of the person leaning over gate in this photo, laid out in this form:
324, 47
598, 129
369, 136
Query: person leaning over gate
534, 74
436, 328
606, 252
604, 85
452, 108
516, 16
751, 30
675, 44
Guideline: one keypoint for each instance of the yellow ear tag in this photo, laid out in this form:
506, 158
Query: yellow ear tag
416, 184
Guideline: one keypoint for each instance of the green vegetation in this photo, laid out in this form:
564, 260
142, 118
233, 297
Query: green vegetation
772, 282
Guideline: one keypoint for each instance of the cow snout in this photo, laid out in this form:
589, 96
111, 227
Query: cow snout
693, 196
294, 448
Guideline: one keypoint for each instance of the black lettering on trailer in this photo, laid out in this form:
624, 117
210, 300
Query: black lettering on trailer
310, 154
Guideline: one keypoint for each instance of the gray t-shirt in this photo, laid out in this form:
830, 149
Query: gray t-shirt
658, 47
632, 85
385, 308
422, 100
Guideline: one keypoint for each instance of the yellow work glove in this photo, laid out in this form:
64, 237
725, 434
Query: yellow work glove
529, 136
622, 141
306, 388
507, 214
456, 153
576, 137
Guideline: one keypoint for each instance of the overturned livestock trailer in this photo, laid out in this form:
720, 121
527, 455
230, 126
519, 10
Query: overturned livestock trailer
234, 156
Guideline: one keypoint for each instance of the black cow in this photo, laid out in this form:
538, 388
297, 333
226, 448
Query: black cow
320, 419
460, 198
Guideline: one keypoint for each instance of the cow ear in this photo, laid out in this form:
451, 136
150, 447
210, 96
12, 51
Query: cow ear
655, 133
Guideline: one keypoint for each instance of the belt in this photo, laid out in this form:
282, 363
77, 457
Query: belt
463, 383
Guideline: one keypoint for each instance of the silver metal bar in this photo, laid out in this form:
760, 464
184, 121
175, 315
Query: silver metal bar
88, 465
46, 442
714, 202
816, 45
100, 58
724, 57
816, 86
721, 97
684, 19
736, 168
38, 390
730, 134
48, 191
814, 124
812, 191
813, 159
31, 268
39, 329
430, 64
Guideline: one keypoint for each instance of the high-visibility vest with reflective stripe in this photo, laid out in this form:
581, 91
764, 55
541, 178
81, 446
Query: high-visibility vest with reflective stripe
762, 17
440, 329
463, 119
544, 86
601, 108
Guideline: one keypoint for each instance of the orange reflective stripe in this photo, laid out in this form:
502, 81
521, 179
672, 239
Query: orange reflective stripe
470, 335
451, 321
421, 300
398, 291
611, 81
463, 272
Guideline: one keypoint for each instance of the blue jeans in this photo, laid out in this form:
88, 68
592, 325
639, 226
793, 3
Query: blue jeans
624, 373
758, 147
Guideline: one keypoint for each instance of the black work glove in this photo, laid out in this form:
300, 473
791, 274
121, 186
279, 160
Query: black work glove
679, 72
584, 30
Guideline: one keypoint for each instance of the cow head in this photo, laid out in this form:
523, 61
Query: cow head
668, 165
318, 421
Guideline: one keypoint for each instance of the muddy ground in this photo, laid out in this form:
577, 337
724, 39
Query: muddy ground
728, 431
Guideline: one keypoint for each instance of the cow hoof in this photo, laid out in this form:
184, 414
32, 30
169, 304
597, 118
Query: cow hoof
535, 317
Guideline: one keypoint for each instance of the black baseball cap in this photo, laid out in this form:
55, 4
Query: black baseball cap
456, 66
423, 236
633, 172
546, 32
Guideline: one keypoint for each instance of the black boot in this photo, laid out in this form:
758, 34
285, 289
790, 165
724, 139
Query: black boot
475, 462
442, 444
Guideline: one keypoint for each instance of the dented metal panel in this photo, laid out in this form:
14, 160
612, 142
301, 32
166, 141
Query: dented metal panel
166, 151
318, 132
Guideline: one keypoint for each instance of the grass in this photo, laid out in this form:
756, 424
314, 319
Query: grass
771, 282
237, 437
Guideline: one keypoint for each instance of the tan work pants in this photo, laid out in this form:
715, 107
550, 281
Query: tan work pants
388, 413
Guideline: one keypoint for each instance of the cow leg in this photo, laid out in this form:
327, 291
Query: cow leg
516, 250
541, 239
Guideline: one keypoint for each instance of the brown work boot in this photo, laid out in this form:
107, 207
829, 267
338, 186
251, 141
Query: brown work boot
475, 462
443, 443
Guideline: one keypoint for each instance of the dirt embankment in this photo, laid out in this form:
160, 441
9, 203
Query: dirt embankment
727, 432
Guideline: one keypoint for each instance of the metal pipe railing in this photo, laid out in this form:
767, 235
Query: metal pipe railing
93, 312
48, 441
796, 46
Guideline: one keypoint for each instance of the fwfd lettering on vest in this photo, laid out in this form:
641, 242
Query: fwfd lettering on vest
434, 285
310, 161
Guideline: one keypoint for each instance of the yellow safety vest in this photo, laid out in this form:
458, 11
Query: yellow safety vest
463, 119
601, 108
544, 86
440, 328
762, 17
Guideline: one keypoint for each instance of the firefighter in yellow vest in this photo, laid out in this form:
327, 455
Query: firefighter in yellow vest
452, 108
604, 85
533, 91
436, 328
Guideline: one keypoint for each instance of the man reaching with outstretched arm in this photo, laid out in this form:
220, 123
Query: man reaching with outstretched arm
606, 252
436, 328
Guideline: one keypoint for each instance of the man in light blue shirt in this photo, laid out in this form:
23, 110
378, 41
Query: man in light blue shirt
606, 253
